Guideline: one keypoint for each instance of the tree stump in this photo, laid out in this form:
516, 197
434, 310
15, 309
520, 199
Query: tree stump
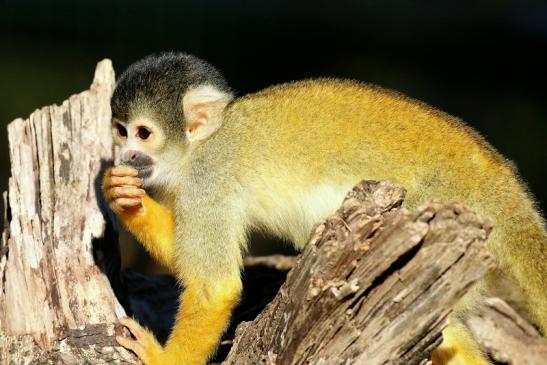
56, 304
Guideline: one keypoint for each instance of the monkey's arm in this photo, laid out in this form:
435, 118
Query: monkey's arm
208, 264
153, 227
203, 315
150, 222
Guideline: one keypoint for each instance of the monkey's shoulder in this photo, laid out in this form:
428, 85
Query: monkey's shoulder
357, 105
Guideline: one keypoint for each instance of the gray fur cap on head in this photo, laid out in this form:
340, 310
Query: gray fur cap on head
157, 83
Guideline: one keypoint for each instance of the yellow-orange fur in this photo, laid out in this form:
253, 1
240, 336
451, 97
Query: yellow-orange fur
205, 307
203, 314
288, 155
154, 228
333, 133
458, 348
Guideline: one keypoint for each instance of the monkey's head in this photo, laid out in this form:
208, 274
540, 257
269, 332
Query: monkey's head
162, 107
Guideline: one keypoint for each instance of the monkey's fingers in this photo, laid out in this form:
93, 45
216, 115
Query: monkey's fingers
124, 192
124, 180
135, 328
121, 175
125, 203
123, 170
145, 344
131, 345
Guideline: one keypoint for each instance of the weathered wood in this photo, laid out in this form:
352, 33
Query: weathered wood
277, 262
506, 336
56, 305
375, 285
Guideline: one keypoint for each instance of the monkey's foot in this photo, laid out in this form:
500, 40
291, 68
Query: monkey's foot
144, 345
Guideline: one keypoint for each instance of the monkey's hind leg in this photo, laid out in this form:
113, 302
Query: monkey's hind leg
458, 347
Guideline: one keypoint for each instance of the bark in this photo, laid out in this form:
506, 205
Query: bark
375, 285
56, 303
506, 336
277, 262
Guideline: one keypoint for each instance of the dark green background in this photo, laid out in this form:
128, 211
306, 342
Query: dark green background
483, 61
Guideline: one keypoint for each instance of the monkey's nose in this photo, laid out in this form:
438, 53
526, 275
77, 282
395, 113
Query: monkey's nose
136, 158
132, 156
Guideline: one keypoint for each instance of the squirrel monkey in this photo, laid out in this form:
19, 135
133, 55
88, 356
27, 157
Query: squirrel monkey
201, 168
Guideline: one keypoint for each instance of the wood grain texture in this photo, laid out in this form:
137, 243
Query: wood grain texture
375, 285
53, 295
506, 336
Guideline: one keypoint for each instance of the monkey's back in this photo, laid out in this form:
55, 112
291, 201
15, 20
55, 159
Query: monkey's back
301, 146
340, 131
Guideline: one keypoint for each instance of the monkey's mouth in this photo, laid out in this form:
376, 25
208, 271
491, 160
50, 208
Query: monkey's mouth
144, 171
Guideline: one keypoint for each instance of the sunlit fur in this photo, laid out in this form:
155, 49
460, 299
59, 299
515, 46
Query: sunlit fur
458, 348
285, 157
158, 235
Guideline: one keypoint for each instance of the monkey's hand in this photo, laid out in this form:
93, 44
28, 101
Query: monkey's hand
145, 345
122, 190
150, 222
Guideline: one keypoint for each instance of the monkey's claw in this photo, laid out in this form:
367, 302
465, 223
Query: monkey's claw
144, 345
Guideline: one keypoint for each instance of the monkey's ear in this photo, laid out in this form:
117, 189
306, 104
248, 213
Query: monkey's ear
203, 110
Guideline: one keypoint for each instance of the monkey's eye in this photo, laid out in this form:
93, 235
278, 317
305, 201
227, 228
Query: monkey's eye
121, 130
143, 132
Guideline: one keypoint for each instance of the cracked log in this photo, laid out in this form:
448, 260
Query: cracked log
375, 285
56, 303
